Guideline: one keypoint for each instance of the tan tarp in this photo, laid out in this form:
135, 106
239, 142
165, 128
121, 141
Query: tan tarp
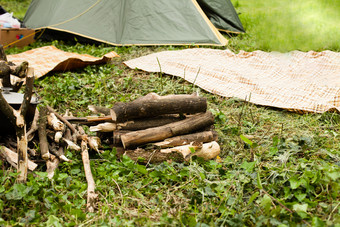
49, 58
297, 81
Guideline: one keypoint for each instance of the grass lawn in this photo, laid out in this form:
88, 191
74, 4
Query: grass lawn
288, 175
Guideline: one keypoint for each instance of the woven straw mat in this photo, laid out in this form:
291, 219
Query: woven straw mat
296, 81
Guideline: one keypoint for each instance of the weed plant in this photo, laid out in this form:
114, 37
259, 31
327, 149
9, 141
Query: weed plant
277, 168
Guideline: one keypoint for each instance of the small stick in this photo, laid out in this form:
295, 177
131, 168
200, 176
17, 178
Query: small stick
52, 165
91, 195
34, 126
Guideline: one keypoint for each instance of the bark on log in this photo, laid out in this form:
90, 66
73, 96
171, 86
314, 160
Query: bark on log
204, 137
186, 126
12, 158
143, 156
91, 195
150, 108
45, 154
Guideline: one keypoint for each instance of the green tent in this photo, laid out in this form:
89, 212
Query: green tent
137, 22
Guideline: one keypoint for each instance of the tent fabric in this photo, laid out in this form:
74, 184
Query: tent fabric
222, 14
131, 22
49, 58
296, 81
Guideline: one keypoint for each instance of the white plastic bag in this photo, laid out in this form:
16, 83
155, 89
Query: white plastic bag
7, 21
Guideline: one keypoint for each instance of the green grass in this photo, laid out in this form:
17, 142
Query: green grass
289, 25
278, 168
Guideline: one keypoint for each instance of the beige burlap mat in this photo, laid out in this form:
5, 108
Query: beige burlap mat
297, 81
49, 58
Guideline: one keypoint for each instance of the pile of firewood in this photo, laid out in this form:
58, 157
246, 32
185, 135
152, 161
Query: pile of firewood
154, 128
150, 129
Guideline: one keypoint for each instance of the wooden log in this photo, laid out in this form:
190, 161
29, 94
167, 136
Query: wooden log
186, 126
45, 154
122, 112
140, 124
207, 151
137, 124
204, 137
155, 156
12, 158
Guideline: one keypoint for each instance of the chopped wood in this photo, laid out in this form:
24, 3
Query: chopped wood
62, 119
55, 123
12, 158
140, 124
71, 145
207, 151
94, 143
154, 156
137, 124
205, 136
58, 135
150, 108
104, 127
52, 164
45, 154
186, 126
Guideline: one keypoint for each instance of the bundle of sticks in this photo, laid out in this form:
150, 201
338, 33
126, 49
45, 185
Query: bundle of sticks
54, 134
154, 128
